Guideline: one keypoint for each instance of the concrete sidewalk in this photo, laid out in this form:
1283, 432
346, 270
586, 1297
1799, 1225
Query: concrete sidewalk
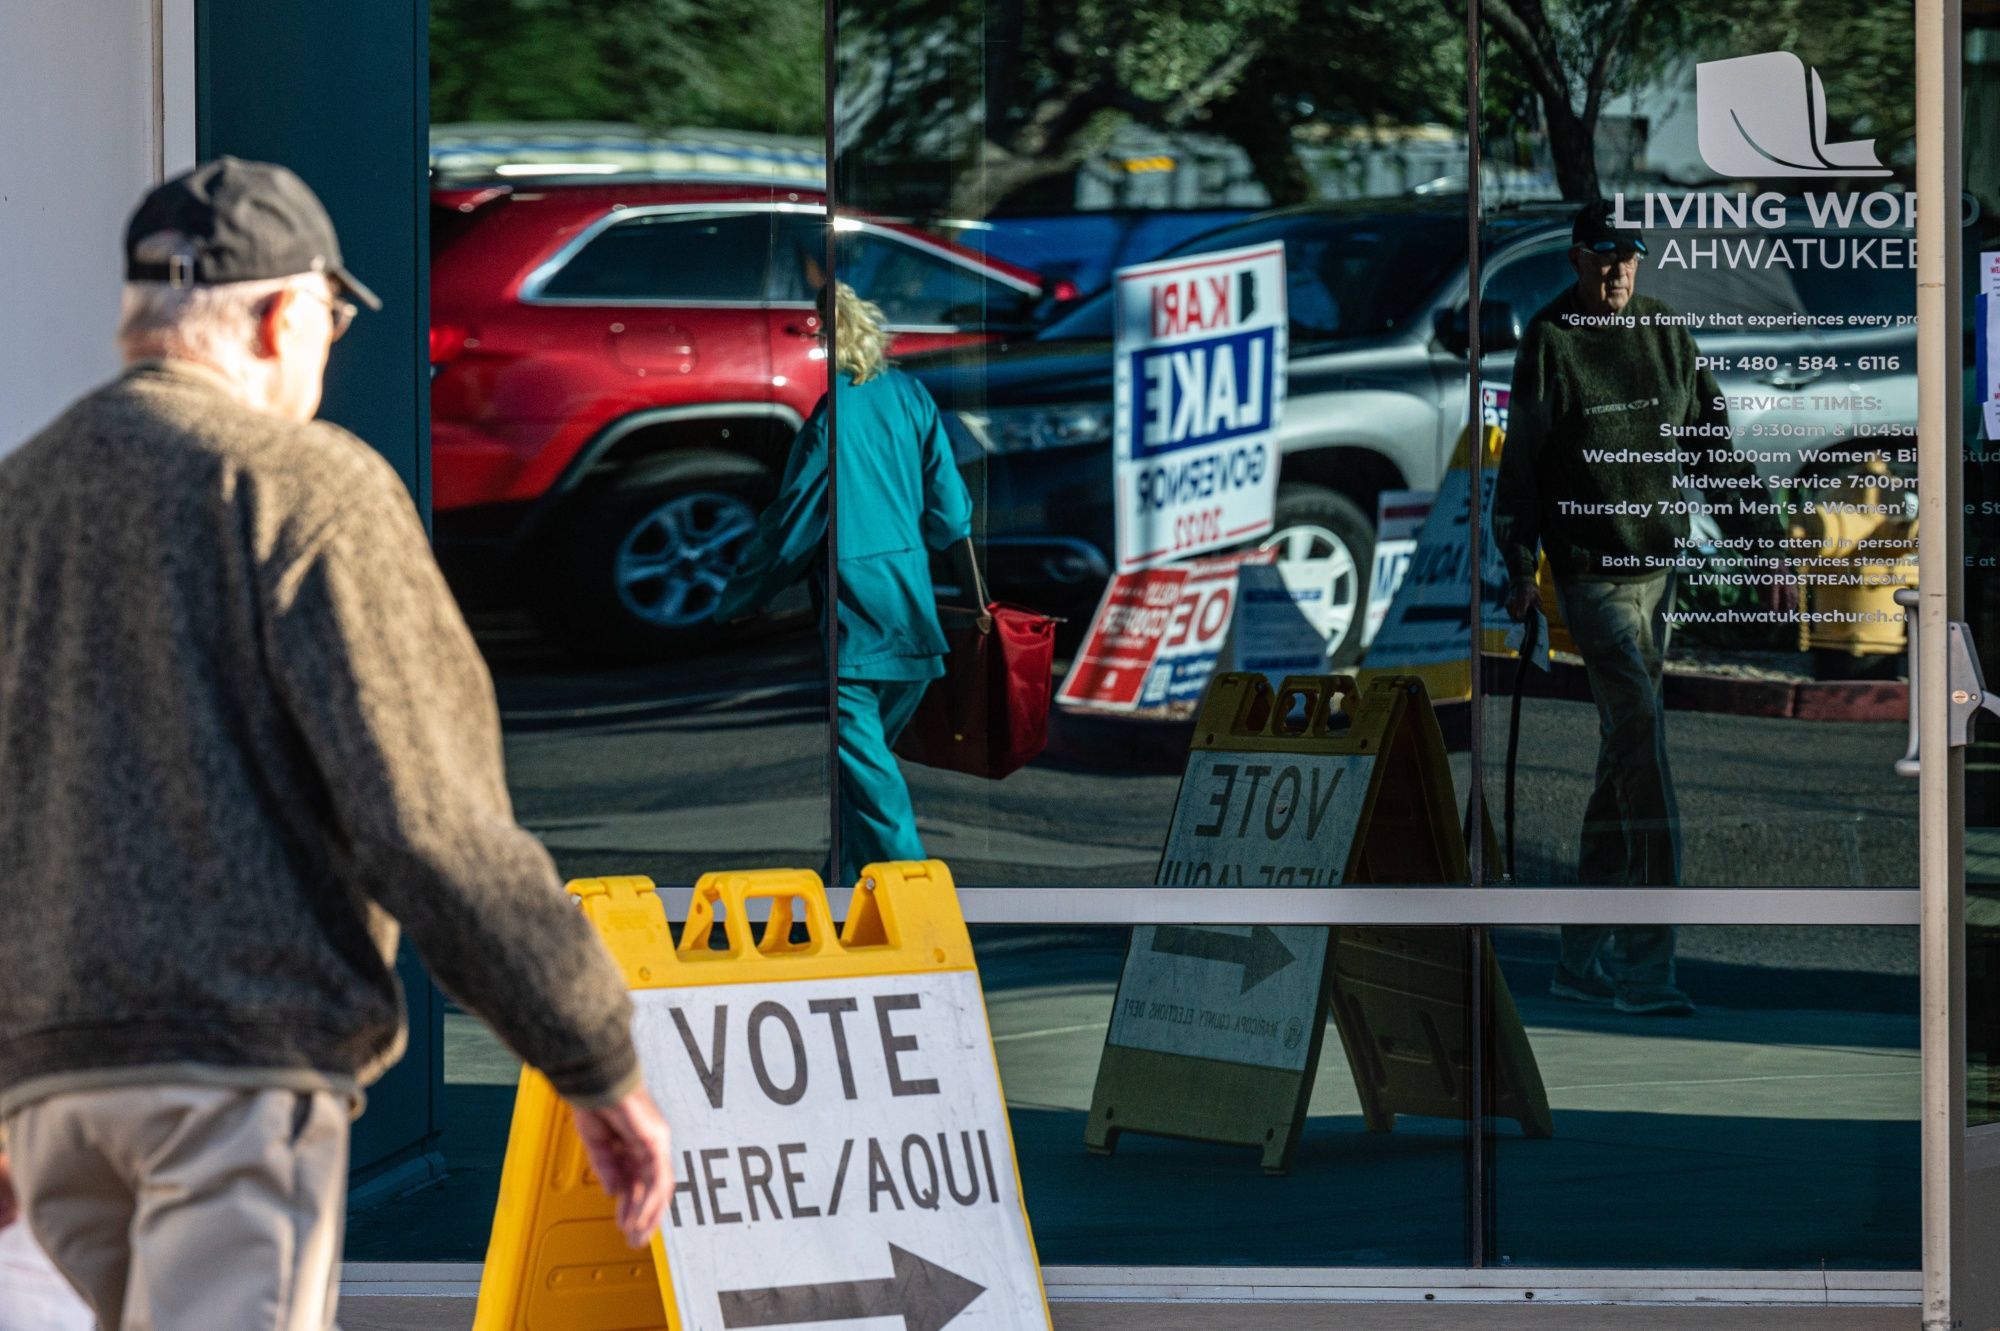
455, 1314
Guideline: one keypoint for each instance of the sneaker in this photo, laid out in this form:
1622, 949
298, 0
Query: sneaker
1653, 1000
1592, 988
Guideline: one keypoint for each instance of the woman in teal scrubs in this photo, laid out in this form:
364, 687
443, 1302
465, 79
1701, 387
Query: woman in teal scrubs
900, 498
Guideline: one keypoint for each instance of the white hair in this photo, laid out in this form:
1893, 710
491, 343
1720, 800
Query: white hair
213, 325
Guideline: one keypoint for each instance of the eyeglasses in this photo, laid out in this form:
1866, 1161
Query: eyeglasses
1608, 252
343, 311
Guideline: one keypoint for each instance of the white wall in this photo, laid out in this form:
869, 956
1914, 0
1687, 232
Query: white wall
96, 99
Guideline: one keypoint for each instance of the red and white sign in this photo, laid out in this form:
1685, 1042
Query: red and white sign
1158, 635
1124, 640
1199, 348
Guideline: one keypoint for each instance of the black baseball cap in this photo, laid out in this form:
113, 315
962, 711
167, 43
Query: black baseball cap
235, 221
1593, 230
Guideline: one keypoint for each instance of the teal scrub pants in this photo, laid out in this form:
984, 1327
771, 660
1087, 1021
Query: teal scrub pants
877, 823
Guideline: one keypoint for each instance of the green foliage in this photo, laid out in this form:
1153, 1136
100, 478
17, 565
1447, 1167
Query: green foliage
661, 64
1865, 50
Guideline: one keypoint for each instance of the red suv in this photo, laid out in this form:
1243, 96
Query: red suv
617, 371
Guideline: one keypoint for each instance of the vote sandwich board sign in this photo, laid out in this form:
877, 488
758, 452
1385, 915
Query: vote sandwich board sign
1239, 994
842, 1152
1216, 1030
1199, 352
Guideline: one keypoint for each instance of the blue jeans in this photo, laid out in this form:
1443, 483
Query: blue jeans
877, 823
1631, 826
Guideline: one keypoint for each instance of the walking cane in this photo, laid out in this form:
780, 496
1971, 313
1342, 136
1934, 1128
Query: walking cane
1528, 648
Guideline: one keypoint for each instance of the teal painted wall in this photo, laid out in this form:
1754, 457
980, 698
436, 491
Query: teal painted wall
338, 90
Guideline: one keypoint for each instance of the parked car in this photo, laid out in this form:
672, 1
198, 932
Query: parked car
1378, 384
617, 372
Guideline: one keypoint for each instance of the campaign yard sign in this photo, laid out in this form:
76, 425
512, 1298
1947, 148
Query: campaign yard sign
1124, 640
1199, 389
1429, 620
1158, 635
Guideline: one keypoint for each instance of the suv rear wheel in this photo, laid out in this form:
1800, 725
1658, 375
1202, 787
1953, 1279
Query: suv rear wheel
638, 573
1318, 524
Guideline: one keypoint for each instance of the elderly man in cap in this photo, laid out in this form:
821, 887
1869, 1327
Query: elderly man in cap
244, 734
1600, 374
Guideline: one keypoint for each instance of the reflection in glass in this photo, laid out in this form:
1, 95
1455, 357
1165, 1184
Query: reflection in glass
1777, 1129
1392, 1195
622, 348
908, 500
1707, 500
1075, 143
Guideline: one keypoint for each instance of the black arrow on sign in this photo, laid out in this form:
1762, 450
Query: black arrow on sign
1261, 955
923, 1294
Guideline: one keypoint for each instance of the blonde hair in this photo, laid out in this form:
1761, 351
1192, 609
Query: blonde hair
861, 343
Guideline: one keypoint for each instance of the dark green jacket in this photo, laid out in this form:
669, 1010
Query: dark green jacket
1589, 466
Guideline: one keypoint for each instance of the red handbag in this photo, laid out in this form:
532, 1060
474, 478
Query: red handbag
989, 714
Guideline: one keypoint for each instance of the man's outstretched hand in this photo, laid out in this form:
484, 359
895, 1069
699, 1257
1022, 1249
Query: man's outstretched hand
631, 1152
10, 1205
1522, 596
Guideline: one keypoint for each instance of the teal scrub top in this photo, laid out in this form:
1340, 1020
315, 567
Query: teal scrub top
900, 498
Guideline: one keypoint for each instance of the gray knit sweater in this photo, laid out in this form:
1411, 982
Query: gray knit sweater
243, 733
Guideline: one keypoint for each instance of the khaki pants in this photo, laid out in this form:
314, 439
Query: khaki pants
189, 1208
1632, 825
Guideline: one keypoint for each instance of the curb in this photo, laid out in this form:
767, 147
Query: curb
1792, 700
1107, 743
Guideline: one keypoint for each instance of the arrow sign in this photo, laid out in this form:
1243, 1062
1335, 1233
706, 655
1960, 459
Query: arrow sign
923, 1294
1261, 955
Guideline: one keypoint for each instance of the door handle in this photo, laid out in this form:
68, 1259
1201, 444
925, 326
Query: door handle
1791, 378
1967, 683
809, 327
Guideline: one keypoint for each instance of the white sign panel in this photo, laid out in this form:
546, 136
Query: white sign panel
1199, 388
1265, 819
1286, 616
842, 1156
1185, 993
1429, 622
1243, 994
1399, 516
1197, 631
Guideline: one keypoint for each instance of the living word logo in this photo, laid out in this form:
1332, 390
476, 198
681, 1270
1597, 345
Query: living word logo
1765, 115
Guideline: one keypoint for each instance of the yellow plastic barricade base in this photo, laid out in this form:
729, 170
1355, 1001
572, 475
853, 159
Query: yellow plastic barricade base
1399, 997
556, 1260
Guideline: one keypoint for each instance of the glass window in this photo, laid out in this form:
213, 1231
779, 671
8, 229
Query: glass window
713, 257
1527, 282
1347, 274
798, 259
917, 288
1776, 1129
1705, 504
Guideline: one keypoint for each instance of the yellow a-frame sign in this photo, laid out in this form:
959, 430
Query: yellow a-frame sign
1216, 1031
841, 1143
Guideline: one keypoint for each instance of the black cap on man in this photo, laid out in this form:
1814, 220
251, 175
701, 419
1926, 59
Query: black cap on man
235, 221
